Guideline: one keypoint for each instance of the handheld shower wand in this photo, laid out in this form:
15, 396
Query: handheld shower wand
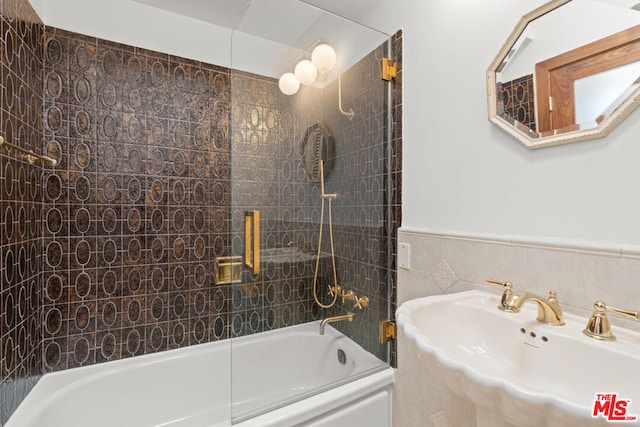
335, 289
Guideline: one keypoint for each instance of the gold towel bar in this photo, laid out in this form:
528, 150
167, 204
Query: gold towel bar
28, 154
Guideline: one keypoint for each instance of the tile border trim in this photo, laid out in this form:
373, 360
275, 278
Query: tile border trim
557, 244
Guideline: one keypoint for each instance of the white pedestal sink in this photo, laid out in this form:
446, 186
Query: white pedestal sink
517, 370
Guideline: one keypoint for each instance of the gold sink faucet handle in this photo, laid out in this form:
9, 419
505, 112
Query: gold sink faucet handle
508, 292
598, 326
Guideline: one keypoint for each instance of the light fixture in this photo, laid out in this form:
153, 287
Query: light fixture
289, 84
306, 72
323, 57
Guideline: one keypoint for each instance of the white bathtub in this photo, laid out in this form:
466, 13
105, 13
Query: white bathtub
193, 387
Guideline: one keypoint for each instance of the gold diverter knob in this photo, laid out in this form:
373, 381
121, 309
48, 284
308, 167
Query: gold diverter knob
598, 326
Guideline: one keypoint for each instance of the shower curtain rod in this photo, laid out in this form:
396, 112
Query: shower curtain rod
28, 154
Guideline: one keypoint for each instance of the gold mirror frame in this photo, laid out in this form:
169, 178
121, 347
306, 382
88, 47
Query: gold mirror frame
604, 127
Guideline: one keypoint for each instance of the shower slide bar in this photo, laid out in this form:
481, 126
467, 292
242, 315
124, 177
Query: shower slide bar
29, 155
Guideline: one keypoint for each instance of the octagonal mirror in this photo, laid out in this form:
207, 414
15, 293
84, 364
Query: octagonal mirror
569, 71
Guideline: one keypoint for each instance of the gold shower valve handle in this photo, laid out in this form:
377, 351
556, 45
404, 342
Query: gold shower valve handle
348, 295
361, 302
333, 290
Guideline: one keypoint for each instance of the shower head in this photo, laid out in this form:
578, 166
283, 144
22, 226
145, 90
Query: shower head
317, 145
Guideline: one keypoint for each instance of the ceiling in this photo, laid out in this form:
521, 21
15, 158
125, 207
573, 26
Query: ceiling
275, 34
265, 18
224, 13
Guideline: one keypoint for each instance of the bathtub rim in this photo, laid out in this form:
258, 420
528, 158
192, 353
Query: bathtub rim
317, 405
350, 388
52, 385
320, 392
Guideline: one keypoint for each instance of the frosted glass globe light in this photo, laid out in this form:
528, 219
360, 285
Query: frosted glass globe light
306, 72
289, 83
323, 57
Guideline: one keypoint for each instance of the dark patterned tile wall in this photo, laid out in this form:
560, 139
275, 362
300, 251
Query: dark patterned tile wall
145, 213
21, 81
128, 226
394, 184
516, 101
361, 178
366, 177
268, 175
137, 209
265, 178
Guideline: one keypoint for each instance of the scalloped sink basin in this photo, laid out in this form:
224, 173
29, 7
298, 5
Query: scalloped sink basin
515, 368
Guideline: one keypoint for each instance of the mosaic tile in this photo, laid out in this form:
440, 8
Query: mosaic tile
141, 203
22, 212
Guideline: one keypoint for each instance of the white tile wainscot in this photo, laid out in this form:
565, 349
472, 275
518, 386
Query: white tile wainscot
446, 262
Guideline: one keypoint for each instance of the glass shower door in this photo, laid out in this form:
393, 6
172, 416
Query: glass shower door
305, 242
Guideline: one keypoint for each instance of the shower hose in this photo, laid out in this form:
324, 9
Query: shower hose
333, 290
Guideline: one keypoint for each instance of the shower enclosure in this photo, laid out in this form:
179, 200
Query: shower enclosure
276, 203
169, 169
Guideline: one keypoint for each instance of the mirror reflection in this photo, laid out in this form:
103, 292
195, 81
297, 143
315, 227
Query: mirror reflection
568, 72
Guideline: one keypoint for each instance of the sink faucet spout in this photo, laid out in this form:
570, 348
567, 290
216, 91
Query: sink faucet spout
549, 310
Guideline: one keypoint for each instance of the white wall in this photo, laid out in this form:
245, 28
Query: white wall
38, 6
463, 174
136, 24
467, 178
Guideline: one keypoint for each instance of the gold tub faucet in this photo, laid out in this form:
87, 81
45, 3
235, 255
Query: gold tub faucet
348, 316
